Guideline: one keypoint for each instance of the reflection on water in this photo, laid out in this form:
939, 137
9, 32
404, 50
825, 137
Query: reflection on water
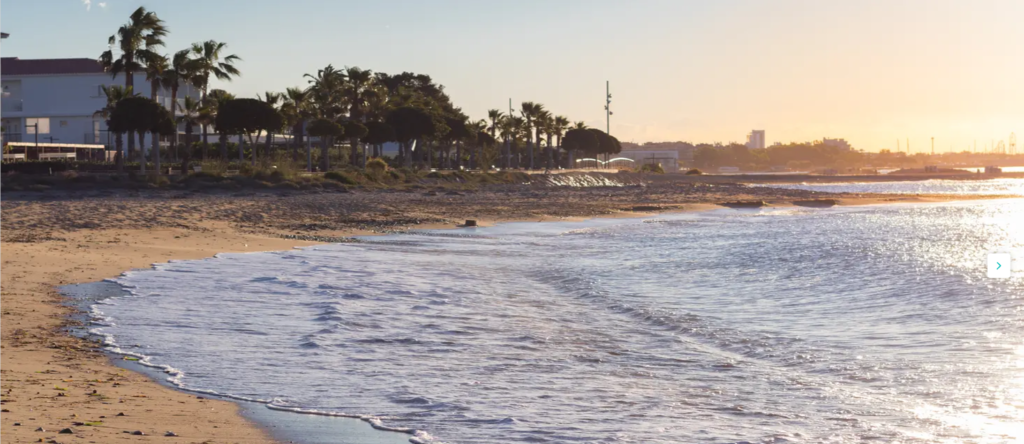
795, 325
1002, 187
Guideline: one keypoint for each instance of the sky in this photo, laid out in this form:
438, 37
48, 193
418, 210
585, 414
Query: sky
870, 71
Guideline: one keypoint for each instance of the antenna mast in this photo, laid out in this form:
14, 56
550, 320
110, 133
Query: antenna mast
608, 107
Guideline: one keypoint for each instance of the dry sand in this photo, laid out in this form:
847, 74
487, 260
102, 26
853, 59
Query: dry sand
51, 380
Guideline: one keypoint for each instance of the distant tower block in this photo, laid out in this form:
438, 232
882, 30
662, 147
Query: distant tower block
1013, 143
755, 140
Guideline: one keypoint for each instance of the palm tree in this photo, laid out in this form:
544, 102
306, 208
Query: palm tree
155, 69
137, 41
114, 94
505, 128
179, 74
559, 127
531, 111
191, 115
476, 154
579, 125
356, 90
547, 127
494, 115
326, 90
272, 99
209, 115
296, 111
209, 61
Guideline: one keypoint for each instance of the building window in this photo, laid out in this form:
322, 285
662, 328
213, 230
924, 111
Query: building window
63, 123
43, 122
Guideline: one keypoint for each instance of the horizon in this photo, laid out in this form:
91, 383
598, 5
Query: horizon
714, 71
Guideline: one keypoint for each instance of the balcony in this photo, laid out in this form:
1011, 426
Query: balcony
9, 137
11, 105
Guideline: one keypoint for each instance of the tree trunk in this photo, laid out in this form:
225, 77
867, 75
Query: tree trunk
270, 140
407, 155
296, 141
202, 100
324, 154
458, 155
529, 145
255, 146
131, 146
204, 141
551, 154
119, 155
156, 151
142, 151
174, 137
354, 142
224, 147
188, 150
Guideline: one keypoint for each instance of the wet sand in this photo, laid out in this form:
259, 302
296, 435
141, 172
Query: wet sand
51, 380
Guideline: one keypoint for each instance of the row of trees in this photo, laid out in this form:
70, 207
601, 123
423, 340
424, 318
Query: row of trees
355, 107
805, 155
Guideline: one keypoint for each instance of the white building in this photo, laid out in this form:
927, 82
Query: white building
838, 143
61, 96
755, 140
668, 159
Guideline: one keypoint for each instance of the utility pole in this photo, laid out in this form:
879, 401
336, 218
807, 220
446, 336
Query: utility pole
309, 149
508, 139
608, 107
933, 146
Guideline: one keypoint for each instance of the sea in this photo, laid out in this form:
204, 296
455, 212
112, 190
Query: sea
778, 325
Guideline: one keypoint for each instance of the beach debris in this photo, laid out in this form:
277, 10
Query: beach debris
816, 203
66, 431
170, 433
40, 429
470, 223
138, 433
745, 204
17, 423
646, 208
78, 423
121, 414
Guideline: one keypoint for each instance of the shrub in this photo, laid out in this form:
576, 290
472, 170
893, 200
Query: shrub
376, 165
157, 180
205, 176
340, 177
694, 172
286, 185
654, 168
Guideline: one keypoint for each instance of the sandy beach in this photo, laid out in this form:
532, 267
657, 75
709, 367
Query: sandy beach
52, 381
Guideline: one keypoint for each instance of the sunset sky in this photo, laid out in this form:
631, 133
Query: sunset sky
871, 71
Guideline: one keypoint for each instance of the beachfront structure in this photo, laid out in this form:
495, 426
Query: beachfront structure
668, 159
755, 140
61, 96
838, 143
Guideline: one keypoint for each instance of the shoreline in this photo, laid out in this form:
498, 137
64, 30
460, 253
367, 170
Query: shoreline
52, 379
